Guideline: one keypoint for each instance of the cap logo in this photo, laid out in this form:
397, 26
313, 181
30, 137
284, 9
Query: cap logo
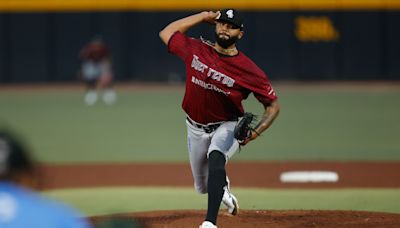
229, 13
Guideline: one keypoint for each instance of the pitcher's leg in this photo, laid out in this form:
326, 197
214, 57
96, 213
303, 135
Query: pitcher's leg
198, 143
223, 146
216, 183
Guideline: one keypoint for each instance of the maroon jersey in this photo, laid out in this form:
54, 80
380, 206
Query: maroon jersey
95, 51
216, 84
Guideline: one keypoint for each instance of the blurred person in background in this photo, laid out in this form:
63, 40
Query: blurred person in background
20, 204
96, 71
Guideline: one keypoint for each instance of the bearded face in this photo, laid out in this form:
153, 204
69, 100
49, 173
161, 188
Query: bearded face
225, 40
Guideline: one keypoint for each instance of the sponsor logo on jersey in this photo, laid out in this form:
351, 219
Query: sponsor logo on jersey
208, 86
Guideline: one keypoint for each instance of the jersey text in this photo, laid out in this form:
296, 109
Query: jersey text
208, 86
215, 75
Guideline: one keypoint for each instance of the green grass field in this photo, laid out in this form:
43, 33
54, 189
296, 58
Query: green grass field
148, 125
101, 201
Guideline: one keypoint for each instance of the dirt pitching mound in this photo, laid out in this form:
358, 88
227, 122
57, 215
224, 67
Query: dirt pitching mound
251, 219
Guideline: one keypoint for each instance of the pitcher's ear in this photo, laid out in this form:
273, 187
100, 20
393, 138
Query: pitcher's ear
241, 34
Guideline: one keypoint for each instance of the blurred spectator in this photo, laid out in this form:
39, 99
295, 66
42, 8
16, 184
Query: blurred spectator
20, 204
96, 71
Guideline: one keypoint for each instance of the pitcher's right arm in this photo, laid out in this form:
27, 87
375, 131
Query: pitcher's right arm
184, 24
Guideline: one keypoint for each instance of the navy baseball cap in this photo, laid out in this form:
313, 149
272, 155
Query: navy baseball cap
231, 16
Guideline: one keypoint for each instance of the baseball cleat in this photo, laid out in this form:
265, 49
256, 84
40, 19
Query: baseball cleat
230, 201
90, 97
207, 224
109, 97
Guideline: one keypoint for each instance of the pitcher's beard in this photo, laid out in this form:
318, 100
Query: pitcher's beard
225, 43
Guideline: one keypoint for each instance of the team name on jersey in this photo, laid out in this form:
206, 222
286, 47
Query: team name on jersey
214, 74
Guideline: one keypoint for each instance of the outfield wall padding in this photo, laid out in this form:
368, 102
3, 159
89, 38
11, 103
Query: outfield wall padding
288, 44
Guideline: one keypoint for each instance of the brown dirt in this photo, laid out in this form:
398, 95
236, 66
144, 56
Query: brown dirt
254, 219
242, 174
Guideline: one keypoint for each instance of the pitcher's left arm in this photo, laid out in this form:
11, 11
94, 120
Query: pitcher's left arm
271, 112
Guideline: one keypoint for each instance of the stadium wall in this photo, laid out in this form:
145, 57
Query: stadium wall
315, 40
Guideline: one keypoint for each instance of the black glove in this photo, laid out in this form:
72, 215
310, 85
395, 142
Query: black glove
243, 128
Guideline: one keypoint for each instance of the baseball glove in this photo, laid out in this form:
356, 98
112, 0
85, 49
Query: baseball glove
244, 127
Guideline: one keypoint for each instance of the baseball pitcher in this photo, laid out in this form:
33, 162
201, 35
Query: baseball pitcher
219, 78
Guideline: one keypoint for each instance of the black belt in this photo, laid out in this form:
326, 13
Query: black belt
207, 128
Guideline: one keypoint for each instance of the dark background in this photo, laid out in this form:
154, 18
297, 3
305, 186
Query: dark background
44, 47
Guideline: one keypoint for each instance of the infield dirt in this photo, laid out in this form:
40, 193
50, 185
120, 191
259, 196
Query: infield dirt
253, 219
